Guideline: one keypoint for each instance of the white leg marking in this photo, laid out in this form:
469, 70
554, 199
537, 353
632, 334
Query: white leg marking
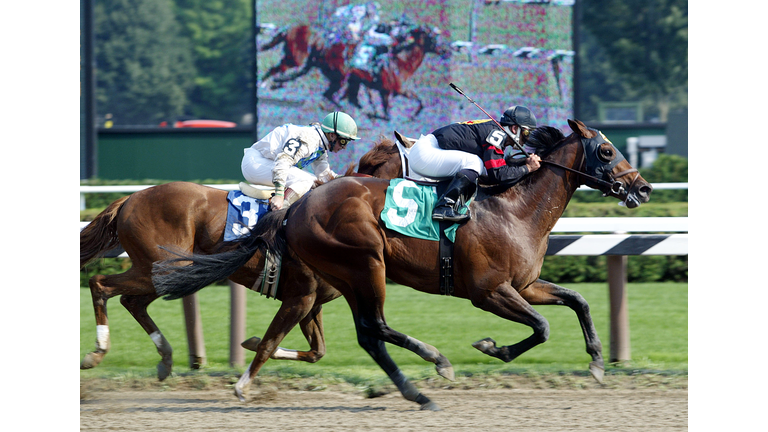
285, 354
245, 379
102, 337
157, 338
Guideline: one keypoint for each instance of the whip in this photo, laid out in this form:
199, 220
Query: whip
514, 142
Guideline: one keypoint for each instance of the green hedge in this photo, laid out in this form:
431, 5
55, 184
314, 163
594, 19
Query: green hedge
640, 268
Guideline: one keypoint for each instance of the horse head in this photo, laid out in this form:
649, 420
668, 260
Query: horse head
428, 38
434, 42
607, 170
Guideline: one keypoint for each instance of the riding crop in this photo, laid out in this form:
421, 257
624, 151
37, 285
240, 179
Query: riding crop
515, 143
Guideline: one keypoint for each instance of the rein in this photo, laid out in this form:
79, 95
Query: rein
615, 187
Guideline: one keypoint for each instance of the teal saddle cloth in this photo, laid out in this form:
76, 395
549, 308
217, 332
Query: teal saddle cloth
408, 210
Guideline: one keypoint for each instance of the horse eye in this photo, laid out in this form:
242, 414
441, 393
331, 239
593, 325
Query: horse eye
606, 153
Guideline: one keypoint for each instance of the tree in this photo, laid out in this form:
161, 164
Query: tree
220, 33
640, 48
144, 67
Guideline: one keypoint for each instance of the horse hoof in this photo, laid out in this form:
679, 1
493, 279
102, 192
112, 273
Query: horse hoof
91, 360
164, 370
239, 393
597, 370
430, 406
485, 345
446, 372
251, 344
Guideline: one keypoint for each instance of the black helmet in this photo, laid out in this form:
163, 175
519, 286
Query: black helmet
518, 115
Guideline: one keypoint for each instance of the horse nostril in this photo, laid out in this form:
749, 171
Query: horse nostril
645, 190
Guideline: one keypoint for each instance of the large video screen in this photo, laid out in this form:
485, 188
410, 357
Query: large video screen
389, 63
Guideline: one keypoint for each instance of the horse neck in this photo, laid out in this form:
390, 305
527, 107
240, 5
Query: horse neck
542, 199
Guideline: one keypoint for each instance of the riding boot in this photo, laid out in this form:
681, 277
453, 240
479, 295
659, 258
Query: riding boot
460, 190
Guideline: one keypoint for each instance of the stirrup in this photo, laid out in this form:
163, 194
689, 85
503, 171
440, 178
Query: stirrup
454, 217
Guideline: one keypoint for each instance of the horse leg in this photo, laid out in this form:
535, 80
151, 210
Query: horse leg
427, 352
353, 90
265, 80
312, 327
507, 303
411, 95
335, 81
374, 346
385, 104
99, 298
291, 311
542, 292
137, 307
105, 287
372, 331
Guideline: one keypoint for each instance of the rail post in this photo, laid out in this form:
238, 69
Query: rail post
237, 300
617, 289
194, 324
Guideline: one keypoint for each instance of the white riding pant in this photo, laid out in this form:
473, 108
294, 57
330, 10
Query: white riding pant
428, 159
258, 170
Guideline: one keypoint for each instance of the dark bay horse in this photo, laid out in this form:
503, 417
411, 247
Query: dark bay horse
190, 217
337, 230
404, 60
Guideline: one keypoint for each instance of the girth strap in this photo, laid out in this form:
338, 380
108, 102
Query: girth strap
271, 275
445, 254
446, 261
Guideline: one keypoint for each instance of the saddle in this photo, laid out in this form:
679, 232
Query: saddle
263, 192
404, 144
256, 191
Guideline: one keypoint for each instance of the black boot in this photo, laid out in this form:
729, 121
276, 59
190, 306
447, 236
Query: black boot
460, 190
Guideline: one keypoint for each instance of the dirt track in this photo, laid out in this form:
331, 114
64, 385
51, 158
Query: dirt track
627, 406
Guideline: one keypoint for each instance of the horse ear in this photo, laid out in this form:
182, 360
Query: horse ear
405, 141
581, 129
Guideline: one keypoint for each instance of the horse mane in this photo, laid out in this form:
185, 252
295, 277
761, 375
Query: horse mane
544, 139
379, 155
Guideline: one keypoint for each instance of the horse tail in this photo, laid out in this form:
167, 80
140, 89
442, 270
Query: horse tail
172, 279
100, 235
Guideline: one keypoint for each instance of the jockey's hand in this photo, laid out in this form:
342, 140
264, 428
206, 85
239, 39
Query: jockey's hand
276, 203
533, 163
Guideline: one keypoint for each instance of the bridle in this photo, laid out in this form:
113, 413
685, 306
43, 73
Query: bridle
612, 187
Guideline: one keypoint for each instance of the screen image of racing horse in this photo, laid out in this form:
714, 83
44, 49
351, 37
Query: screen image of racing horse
389, 63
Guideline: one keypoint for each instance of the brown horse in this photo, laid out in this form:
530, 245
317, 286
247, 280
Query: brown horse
304, 50
295, 42
338, 231
403, 62
190, 217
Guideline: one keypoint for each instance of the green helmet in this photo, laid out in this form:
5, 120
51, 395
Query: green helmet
341, 124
